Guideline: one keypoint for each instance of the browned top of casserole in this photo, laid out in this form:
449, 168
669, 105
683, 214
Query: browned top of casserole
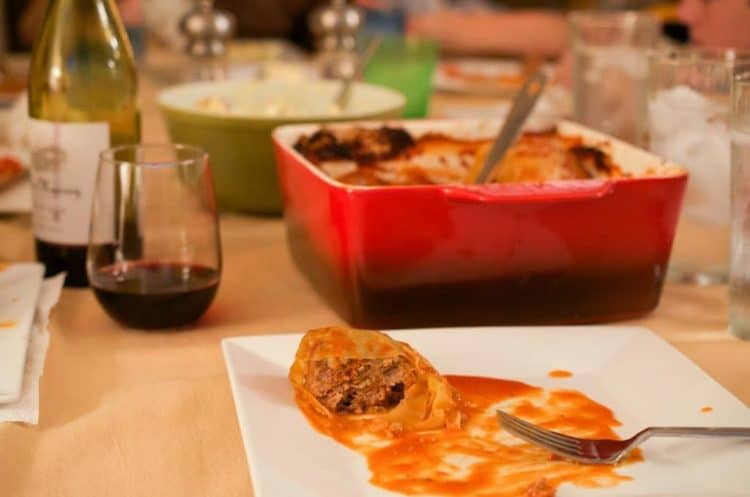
392, 156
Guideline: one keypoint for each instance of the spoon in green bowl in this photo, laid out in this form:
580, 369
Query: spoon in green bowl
342, 98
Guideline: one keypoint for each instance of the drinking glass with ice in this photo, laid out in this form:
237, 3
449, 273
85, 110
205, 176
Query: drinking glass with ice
688, 109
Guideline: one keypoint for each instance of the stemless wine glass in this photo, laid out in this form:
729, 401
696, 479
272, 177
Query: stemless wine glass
154, 257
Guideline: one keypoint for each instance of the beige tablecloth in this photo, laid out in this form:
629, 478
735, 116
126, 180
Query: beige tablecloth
126, 413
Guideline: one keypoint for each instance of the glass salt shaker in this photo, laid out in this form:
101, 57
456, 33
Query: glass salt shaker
208, 32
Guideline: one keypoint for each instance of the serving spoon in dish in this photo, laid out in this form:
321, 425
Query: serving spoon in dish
522, 106
590, 451
341, 100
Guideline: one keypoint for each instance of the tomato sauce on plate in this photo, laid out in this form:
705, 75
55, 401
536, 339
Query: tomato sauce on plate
480, 459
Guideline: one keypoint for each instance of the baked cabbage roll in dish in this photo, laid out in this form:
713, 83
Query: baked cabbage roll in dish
368, 380
389, 156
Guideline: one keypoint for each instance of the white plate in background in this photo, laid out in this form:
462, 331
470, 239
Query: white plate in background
640, 376
482, 76
19, 291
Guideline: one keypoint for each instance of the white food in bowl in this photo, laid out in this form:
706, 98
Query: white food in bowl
283, 99
272, 98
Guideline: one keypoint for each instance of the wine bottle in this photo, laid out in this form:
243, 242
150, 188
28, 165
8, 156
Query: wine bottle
82, 100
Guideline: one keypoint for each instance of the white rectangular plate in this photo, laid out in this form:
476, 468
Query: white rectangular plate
19, 290
637, 374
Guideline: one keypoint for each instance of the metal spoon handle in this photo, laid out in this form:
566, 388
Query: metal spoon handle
522, 106
342, 99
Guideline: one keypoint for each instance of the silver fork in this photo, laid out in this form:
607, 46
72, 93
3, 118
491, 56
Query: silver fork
602, 451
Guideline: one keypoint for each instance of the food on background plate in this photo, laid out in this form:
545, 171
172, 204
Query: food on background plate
427, 434
510, 75
11, 170
392, 156
488, 76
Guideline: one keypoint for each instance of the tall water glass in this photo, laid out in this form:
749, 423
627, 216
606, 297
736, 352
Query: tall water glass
739, 280
610, 70
689, 105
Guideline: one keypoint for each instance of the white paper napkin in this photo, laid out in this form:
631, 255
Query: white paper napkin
26, 409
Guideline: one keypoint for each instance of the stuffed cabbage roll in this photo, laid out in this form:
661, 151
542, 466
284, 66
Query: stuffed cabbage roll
366, 375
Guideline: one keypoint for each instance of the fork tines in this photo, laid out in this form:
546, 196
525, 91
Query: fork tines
558, 443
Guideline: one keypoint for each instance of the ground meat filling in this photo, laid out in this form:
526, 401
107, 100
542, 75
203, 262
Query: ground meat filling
360, 386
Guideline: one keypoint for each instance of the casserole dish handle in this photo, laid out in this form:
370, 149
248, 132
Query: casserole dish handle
526, 192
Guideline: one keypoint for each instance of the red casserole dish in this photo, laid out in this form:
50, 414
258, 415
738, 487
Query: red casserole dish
434, 255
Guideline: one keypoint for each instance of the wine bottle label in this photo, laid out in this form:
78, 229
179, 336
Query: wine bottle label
64, 160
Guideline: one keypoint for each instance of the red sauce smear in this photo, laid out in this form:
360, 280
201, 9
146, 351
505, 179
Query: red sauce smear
707, 409
8, 323
480, 459
559, 373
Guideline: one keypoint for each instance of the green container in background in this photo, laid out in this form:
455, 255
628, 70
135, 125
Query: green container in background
405, 64
241, 159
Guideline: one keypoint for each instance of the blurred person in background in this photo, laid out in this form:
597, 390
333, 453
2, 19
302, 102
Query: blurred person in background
282, 19
24, 18
255, 19
131, 12
287, 19
717, 23
527, 31
525, 28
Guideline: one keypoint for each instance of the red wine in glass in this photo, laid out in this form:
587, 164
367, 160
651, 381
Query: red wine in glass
154, 255
154, 295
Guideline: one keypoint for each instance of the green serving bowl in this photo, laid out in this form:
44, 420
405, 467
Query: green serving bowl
233, 121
